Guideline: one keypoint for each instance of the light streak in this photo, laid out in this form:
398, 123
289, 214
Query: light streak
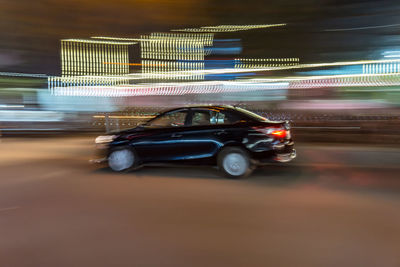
190, 73
12, 106
234, 86
88, 41
131, 64
16, 74
229, 28
364, 28
167, 89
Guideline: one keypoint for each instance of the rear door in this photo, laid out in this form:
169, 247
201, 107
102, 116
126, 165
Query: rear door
210, 129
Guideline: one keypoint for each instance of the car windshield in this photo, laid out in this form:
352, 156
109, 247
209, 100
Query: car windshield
251, 114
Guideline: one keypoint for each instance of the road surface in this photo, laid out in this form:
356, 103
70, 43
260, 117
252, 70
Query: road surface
335, 205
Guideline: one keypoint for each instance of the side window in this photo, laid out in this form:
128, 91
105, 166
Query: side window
174, 119
201, 117
212, 117
226, 117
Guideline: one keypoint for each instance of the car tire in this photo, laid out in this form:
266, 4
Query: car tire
234, 162
122, 159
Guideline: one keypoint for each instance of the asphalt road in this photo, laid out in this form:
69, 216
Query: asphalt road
335, 205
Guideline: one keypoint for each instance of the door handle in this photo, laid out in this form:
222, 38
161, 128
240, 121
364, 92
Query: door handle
176, 135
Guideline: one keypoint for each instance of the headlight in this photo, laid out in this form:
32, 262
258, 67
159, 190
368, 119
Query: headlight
105, 139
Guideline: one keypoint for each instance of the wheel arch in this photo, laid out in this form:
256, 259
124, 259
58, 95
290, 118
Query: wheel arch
229, 144
232, 144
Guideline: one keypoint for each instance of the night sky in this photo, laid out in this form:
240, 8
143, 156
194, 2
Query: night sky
317, 30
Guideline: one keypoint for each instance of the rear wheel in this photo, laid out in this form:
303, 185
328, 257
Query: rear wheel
234, 162
122, 159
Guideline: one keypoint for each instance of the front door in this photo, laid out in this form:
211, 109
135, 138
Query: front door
164, 142
203, 137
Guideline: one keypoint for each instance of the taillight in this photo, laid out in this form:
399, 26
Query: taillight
279, 133
272, 131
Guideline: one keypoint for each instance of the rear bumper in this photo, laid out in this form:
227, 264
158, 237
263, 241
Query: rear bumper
286, 157
279, 152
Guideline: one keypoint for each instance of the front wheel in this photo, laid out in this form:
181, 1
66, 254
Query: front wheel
234, 162
121, 159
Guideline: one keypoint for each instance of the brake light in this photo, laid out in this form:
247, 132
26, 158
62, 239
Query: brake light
279, 133
272, 131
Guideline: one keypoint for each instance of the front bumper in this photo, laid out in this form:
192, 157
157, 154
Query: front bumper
100, 154
98, 161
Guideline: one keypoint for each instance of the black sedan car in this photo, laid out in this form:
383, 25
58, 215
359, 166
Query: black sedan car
234, 139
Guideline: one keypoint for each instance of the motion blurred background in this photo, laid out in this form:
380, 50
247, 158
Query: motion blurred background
331, 67
70, 70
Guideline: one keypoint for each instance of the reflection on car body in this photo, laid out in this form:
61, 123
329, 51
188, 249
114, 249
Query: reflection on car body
234, 139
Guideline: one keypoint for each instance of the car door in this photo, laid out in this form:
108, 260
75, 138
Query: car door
163, 142
204, 137
210, 130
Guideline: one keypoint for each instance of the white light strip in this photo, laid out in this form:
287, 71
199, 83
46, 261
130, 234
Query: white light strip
12, 106
229, 28
116, 38
16, 74
97, 42
165, 75
304, 78
167, 89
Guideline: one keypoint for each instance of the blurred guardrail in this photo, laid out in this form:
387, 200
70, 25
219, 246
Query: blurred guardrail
361, 126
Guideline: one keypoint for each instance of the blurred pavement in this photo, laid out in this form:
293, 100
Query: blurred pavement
335, 205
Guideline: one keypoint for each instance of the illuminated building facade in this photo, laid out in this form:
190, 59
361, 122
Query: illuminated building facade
94, 57
170, 52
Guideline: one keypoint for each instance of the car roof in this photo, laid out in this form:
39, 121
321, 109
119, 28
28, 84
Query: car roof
201, 106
